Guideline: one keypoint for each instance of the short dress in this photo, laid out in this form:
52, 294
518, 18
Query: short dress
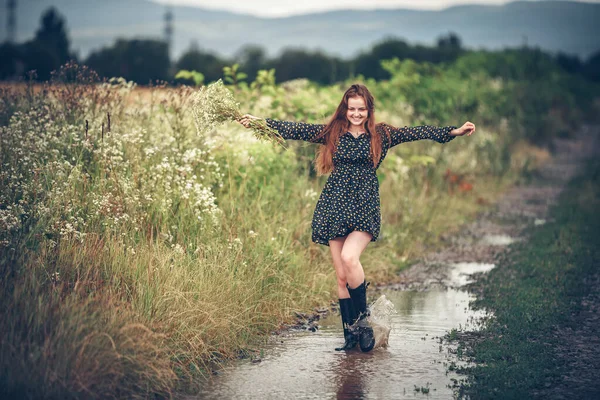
350, 199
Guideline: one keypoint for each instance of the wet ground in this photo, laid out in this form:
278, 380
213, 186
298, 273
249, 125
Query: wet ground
429, 302
305, 365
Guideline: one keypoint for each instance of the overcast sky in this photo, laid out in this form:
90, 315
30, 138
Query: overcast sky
279, 8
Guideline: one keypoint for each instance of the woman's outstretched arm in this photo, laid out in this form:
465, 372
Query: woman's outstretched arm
411, 133
291, 130
442, 134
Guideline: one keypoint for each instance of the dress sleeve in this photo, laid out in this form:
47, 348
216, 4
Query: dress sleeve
297, 130
411, 133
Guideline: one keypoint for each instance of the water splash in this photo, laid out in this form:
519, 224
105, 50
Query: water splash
381, 320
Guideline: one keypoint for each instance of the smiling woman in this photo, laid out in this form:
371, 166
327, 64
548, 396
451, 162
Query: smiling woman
347, 216
357, 114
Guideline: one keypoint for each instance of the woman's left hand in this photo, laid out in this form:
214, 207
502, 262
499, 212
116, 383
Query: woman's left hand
467, 129
246, 118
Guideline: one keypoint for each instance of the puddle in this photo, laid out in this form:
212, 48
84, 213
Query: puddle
461, 273
305, 365
498, 240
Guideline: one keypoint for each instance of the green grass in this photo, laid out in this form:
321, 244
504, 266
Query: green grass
535, 289
133, 260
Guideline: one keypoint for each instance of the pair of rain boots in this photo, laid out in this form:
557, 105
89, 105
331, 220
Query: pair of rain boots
354, 319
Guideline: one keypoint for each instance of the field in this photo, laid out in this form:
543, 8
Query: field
137, 254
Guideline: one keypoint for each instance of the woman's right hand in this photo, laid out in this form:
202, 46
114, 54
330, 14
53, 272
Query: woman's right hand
246, 118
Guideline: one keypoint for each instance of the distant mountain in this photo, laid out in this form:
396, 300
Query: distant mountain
567, 26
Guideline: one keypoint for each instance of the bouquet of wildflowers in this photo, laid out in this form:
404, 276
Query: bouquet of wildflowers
215, 104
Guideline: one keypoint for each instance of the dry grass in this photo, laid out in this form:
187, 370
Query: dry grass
136, 258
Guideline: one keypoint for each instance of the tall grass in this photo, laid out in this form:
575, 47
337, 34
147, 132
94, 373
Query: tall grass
137, 255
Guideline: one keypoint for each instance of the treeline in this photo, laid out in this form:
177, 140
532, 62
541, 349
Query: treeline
147, 60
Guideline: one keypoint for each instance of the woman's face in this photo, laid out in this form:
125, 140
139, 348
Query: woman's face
357, 113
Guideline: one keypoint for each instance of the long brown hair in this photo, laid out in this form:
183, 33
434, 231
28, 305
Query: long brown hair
339, 124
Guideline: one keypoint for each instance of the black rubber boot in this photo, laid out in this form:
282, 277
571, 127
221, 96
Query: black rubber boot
365, 331
348, 318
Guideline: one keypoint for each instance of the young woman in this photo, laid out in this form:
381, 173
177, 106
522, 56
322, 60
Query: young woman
347, 216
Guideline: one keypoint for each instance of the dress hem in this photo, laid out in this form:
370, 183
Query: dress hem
325, 242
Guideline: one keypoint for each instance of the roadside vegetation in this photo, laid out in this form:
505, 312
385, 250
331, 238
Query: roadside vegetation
137, 255
540, 288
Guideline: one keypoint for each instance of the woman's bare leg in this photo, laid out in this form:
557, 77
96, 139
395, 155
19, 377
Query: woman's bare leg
335, 246
356, 242
347, 308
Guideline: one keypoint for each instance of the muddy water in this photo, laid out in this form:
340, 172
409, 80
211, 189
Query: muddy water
498, 240
304, 364
462, 273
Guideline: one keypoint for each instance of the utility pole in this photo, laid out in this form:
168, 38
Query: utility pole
169, 29
11, 20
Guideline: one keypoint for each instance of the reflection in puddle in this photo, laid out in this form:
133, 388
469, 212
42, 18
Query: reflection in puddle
498, 240
304, 365
460, 273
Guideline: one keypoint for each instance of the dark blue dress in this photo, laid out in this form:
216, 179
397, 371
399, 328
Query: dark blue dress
350, 198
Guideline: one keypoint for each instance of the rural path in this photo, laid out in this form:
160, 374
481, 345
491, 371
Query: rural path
429, 302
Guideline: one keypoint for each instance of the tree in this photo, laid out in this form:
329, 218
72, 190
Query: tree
299, 63
451, 42
209, 64
139, 60
48, 50
52, 34
368, 64
571, 64
252, 59
591, 68
40, 58
11, 61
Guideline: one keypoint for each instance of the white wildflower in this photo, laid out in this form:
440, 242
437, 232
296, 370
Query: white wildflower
235, 244
311, 194
178, 249
55, 277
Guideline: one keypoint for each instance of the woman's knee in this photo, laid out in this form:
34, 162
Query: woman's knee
350, 260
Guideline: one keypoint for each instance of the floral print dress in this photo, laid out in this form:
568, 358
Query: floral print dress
350, 198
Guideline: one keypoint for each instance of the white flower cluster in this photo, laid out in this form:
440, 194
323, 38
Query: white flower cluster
178, 249
70, 180
212, 105
235, 244
311, 194
8, 221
